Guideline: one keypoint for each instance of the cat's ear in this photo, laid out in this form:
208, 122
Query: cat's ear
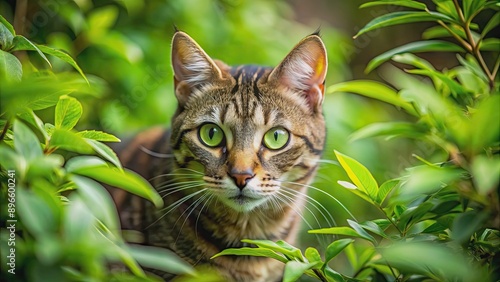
192, 66
304, 70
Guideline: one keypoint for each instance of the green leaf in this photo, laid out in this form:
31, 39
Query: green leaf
346, 231
426, 179
483, 129
295, 269
412, 215
25, 141
68, 112
93, 195
361, 232
492, 23
490, 44
124, 179
433, 260
78, 223
161, 259
385, 189
21, 43
63, 56
312, 255
98, 136
374, 228
472, 7
6, 34
278, 246
390, 129
485, 172
439, 32
359, 175
334, 275
105, 152
414, 47
80, 162
441, 79
67, 140
256, 252
10, 67
375, 90
403, 3
401, 18
335, 248
9, 27
35, 213
30, 117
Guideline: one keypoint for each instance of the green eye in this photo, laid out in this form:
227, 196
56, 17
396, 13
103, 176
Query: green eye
276, 138
211, 135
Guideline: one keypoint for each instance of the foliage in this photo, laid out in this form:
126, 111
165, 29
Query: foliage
62, 223
439, 220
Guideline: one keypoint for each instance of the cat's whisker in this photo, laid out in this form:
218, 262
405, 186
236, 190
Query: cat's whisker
207, 203
166, 186
155, 154
192, 207
191, 186
325, 193
291, 196
289, 202
313, 202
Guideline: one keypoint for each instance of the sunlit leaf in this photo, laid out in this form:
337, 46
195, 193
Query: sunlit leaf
98, 136
373, 89
80, 162
425, 179
385, 189
359, 175
414, 47
256, 252
374, 228
34, 120
402, 18
312, 255
10, 67
279, 246
124, 179
63, 56
361, 232
347, 231
68, 112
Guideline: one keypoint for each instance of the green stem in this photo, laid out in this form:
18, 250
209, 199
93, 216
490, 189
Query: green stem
5, 128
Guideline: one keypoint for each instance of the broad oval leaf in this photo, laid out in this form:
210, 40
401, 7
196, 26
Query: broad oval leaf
161, 259
80, 162
9, 27
335, 248
124, 179
375, 90
25, 141
359, 175
6, 35
295, 269
68, 112
414, 47
390, 129
312, 255
67, 140
10, 68
403, 17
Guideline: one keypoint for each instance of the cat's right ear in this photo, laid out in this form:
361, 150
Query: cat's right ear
192, 66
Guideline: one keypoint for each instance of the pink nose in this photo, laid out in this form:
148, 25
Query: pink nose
241, 178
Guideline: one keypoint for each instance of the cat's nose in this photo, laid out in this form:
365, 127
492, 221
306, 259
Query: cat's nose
241, 178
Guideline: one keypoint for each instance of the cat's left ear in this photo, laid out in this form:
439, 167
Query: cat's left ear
192, 66
304, 70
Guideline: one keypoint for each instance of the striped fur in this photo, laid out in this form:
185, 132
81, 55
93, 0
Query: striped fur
206, 209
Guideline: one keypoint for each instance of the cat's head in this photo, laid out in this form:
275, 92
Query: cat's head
255, 133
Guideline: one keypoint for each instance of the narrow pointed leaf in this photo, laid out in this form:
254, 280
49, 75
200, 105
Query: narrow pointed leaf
401, 18
9, 27
63, 56
408, 4
375, 90
256, 252
335, 248
105, 151
21, 43
98, 136
414, 47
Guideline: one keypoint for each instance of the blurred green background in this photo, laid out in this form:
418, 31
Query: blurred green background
124, 47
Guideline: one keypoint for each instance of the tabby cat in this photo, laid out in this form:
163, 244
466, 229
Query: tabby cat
244, 144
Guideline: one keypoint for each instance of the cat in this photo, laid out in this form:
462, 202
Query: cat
244, 144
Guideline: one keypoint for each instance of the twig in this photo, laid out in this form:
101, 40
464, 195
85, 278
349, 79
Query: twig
5, 128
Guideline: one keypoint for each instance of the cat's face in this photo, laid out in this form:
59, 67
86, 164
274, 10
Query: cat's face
255, 133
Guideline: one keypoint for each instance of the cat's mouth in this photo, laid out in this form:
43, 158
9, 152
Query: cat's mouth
241, 199
243, 203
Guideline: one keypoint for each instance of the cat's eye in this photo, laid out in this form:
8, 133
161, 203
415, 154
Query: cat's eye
276, 138
211, 135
